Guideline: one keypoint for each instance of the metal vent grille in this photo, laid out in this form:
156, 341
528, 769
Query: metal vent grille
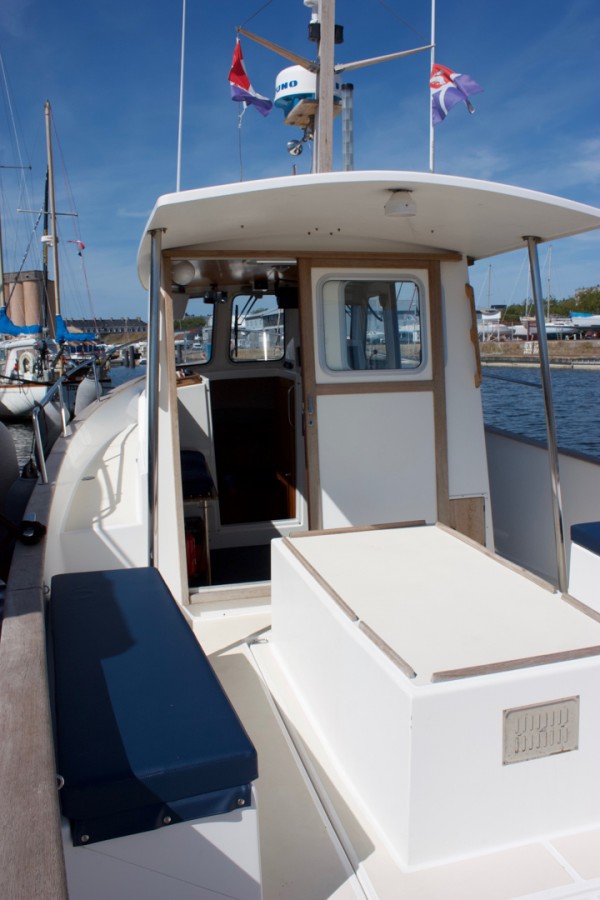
531, 732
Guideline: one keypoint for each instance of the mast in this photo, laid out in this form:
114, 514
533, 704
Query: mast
52, 207
323, 161
45, 294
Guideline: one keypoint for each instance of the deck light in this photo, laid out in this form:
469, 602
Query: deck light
183, 272
400, 203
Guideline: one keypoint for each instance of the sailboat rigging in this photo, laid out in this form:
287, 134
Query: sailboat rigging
32, 354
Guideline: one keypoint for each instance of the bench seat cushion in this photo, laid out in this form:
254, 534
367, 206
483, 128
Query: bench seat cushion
587, 534
142, 722
195, 475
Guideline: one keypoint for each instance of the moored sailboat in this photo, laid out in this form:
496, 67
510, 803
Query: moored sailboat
32, 352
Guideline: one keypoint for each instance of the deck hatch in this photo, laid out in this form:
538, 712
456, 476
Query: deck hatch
531, 732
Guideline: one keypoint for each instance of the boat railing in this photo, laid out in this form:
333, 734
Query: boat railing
57, 393
512, 380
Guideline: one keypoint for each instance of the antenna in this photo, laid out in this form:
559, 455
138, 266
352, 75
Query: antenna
179, 134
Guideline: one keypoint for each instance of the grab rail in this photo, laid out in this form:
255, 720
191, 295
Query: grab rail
57, 391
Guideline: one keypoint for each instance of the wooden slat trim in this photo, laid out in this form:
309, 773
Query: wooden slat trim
581, 607
347, 610
372, 635
323, 257
509, 665
467, 516
376, 387
385, 648
474, 335
307, 353
353, 529
439, 392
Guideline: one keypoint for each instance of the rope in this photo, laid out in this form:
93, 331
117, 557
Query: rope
253, 16
400, 19
243, 109
76, 231
240, 115
14, 131
23, 261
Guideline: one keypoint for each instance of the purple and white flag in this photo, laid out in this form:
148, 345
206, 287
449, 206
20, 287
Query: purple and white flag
449, 88
241, 89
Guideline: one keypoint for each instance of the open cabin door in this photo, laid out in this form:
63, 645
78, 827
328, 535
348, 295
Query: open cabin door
374, 392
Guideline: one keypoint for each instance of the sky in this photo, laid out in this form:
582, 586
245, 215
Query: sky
111, 71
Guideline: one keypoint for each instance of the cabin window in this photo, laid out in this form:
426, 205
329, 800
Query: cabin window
372, 324
193, 333
257, 328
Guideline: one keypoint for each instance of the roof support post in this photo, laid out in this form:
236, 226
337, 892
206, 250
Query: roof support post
536, 282
152, 376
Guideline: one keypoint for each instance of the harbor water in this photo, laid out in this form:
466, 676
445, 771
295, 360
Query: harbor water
512, 400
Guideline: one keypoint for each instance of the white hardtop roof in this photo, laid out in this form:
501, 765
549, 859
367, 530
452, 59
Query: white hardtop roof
344, 212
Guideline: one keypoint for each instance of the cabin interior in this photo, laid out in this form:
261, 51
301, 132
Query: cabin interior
317, 393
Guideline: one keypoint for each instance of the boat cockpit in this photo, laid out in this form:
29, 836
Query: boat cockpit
311, 394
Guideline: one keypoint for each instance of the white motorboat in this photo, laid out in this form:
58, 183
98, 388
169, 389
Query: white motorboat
400, 611
556, 328
585, 322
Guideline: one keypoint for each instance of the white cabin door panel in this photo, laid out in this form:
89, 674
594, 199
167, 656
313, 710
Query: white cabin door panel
376, 458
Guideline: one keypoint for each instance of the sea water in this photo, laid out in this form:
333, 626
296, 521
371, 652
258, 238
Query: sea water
513, 400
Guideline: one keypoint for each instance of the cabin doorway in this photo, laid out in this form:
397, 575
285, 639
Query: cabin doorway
239, 401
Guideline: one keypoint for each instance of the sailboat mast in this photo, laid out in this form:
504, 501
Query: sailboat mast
45, 294
52, 207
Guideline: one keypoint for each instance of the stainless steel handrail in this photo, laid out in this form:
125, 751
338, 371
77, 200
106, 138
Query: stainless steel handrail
557, 508
57, 391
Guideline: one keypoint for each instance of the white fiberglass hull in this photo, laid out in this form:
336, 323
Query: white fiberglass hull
18, 400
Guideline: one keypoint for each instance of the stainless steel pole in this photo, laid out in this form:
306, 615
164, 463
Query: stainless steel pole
431, 64
181, 75
536, 282
348, 126
152, 375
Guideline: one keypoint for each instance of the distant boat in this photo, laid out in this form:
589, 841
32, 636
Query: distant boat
28, 367
555, 328
589, 321
490, 327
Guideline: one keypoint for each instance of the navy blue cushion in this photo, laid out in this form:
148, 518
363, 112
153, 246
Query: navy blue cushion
141, 719
587, 534
195, 476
